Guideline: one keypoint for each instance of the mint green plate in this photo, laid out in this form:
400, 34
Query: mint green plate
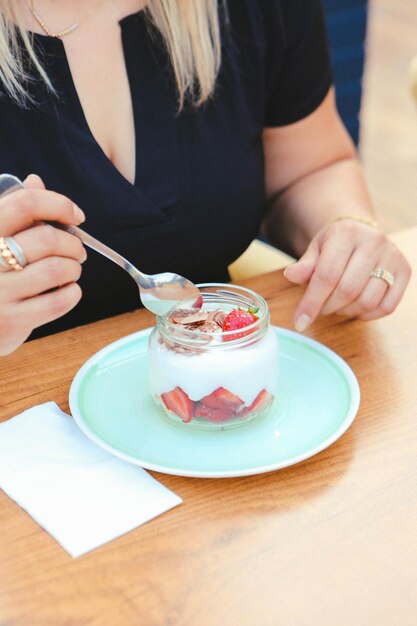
317, 400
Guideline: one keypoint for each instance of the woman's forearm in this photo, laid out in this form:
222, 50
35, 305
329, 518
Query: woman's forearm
297, 213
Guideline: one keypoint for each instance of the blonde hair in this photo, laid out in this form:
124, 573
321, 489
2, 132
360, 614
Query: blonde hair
189, 28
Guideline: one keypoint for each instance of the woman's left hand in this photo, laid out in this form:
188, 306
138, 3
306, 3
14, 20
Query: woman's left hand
337, 268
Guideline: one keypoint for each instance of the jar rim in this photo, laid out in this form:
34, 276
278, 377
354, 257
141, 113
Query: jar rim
226, 292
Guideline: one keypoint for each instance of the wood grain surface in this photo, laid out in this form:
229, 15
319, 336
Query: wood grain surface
329, 542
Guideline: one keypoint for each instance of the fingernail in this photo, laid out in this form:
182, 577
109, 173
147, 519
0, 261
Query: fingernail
288, 268
302, 322
79, 214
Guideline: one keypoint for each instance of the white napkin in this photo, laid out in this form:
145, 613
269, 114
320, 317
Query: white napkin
82, 495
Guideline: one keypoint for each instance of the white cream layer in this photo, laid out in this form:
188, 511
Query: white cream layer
244, 371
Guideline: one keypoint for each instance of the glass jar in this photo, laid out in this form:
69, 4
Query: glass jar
215, 380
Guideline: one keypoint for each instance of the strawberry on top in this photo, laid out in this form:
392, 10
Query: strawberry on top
238, 318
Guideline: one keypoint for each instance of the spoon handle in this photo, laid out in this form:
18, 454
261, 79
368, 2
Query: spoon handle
109, 253
9, 183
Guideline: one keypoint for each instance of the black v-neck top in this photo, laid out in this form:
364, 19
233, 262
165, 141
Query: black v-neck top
198, 196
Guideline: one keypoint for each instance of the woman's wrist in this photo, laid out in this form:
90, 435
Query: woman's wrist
355, 218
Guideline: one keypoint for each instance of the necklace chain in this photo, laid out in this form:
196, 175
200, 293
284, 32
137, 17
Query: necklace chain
61, 33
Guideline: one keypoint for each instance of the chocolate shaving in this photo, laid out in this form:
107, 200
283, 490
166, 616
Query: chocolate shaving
211, 315
179, 315
219, 317
196, 318
176, 347
203, 321
209, 327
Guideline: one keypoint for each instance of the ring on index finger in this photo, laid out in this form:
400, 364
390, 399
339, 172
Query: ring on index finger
12, 256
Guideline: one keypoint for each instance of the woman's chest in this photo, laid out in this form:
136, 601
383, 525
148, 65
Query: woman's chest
199, 166
98, 70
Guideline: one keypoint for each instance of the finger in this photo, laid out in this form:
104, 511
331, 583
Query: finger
45, 240
38, 277
367, 301
301, 271
20, 209
48, 307
330, 267
376, 288
352, 283
33, 181
391, 298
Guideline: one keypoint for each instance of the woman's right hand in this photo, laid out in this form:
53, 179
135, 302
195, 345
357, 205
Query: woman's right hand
47, 286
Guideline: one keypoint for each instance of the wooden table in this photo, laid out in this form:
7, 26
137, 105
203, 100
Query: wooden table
331, 541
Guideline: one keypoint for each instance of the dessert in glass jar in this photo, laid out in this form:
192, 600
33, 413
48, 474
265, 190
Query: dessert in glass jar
215, 367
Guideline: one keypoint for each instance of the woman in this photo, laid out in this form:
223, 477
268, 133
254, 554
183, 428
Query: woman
178, 127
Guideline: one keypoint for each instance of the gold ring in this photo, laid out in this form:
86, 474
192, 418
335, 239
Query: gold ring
379, 272
11, 254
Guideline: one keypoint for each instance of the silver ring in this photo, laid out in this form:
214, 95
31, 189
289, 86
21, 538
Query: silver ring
12, 255
379, 272
17, 251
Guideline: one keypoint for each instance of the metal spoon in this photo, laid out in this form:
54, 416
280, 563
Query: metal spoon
159, 292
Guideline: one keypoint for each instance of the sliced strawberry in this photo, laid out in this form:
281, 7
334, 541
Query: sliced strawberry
223, 399
179, 403
212, 414
262, 400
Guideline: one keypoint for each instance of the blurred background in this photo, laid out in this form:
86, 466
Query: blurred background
388, 142
376, 40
